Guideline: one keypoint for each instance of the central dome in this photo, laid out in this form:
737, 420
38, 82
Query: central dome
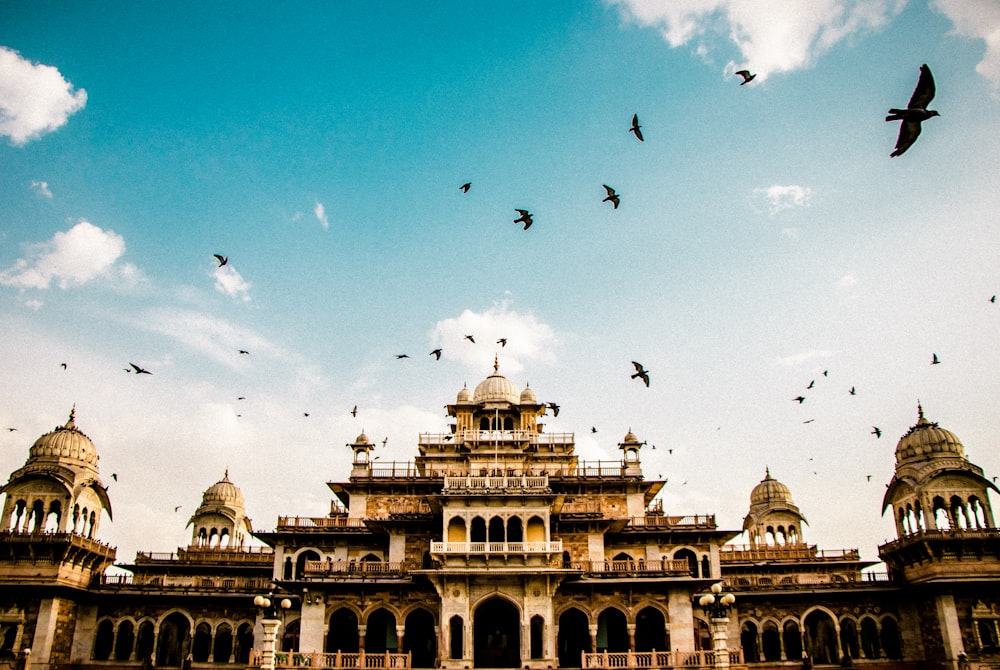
496, 388
223, 492
770, 491
65, 442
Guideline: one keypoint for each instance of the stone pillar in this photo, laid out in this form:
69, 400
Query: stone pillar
400, 634
720, 642
270, 627
312, 629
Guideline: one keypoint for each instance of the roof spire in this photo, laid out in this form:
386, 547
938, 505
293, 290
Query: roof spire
496, 364
72, 417
767, 472
920, 410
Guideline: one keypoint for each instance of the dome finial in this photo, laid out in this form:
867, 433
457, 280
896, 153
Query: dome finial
72, 417
496, 364
920, 410
767, 472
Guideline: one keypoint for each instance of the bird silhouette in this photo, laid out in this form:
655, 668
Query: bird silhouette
11, 430
869, 477
177, 508
935, 360
612, 196
852, 391
641, 373
242, 397
502, 341
525, 218
384, 442
63, 365
436, 354
811, 384
747, 77
993, 298
464, 188
800, 399
244, 352
635, 127
877, 432
593, 429
114, 476
398, 356
470, 338
305, 413
140, 371
915, 113
554, 407
222, 259
354, 411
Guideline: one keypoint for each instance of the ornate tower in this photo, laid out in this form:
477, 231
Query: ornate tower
221, 520
774, 518
941, 509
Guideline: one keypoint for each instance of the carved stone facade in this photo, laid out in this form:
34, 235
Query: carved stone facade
497, 547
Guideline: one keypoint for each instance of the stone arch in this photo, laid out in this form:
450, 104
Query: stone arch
822, 643
104, 640
871, 647
456, 637
201, 642
244, 643
124, 640
791, 637
572, 637
144, 639
301, 556
706, 567
456, 530
688, 555
380, 631
289, 635
173, 639
892, 641
748, 640
496, 632
535, 531
702, 635
496, 531
849, 637
612, 630
515, 529
419, 638
651, 630
223, 643
342, 631
770, 641
477, 529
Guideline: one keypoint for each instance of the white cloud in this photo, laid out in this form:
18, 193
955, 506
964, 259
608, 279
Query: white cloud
978, 19
528, 339
770, 36
320, 211
804, 357
74, 257
42, 189
847, 281
229, 282
34, 98
208, 334
779, 198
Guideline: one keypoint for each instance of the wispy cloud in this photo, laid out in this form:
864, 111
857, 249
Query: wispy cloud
847, 281
208, 334
320, 211
804, 357
978, 19
231, 283
528, 339
777, 198
70, 258
770, 36
34, 98
42, 189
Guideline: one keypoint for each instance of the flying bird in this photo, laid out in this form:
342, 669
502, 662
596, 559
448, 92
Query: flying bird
593, 429
464, 188
916, 112
11, 430
470, 338
354, 411
747, 77
801, 399
935, 360
635, 127
436, 354
114, 476
398, 356
244, 352
852, 391
612, 196
526, 218
177, 508
222, 259
63, 365
641, 373
869, 477
305, 413
993, 298
502, 341
138, 370
242, 397
384, 442
877, 432
811, 384
554, 407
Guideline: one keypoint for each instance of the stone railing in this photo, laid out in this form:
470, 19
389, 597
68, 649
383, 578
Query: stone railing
630, 567
496, 483
289, 659
554, 547
181, 583
657, 659
318, 522
355, 569
732, 553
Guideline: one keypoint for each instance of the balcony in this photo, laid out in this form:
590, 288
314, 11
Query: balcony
632, 568
320, 523
355, 569
181, 583
501, 483
477, 437
747, 553
495, 548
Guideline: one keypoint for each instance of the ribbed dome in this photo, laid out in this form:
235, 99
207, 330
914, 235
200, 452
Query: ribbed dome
65, 442
496, 388
630, 438
927, 440
528, 396
770, 491
464, 396
362, 439
223, 492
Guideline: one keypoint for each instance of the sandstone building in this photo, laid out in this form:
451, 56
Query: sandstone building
496, 547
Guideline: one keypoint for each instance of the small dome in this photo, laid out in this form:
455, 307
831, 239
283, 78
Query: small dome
770, 491
496, 388
630, 438
464, 396
65, 442
528, 396
223, 492
362, 439
926, 440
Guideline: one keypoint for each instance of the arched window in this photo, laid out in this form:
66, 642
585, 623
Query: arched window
689, 556
572, 638
244, 643
222, 649
792, 638
300, 562
477, 531
419, 638
456, 529
536, 633
202, 642
124, 641
821, 638
891, 640
706, 567
290, 636
849, 638
496, 533
870, 646
770, 642
515, 529
651, 630
53, 517
456, 633
144, 641
343, 632
748, 640
536, 530
104, 640
171, 641
612, 631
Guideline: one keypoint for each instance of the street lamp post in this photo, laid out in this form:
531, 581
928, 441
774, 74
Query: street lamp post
716, 605
270, 609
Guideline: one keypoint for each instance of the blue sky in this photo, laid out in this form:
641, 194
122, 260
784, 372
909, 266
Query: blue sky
764, 237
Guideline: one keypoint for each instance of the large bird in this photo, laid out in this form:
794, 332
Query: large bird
916, 112
554, 407
747, 77
525, 218
222, 259
436, 354
464, 188
641, 372
612, 196
140, 371
635, 127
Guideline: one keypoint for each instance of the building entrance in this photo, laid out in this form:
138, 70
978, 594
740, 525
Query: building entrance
497, 635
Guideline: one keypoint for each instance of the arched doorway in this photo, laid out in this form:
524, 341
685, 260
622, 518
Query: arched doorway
343, 632
573, 638
748, 640
651, 630
612, 631
821, 638
419, 639
173, 640
497, 635
380, 632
